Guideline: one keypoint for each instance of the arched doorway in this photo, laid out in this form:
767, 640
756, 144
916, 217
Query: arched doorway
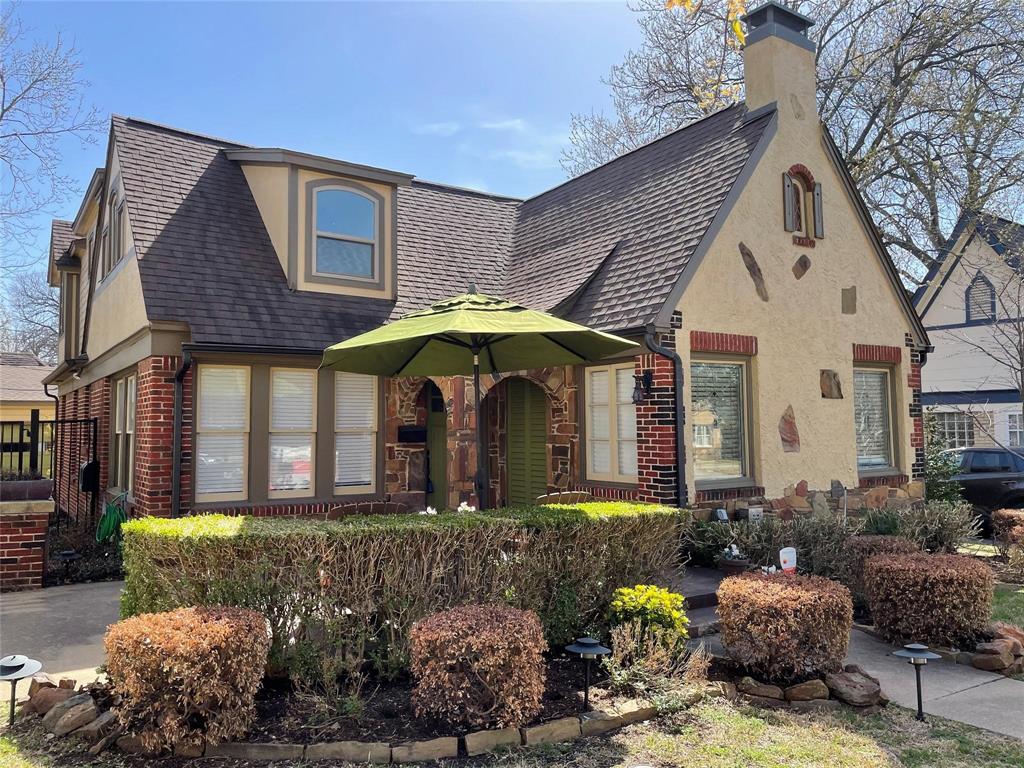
526, 441
437, 447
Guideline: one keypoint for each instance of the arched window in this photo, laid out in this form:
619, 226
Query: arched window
345, 227
802, 205
980, 300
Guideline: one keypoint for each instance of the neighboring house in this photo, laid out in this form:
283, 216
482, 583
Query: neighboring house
972, 302
21, 388
202, 279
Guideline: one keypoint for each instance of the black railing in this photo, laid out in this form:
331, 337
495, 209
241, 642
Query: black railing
27, 448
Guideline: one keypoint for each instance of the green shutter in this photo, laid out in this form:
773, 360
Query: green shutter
527, 442
437, 445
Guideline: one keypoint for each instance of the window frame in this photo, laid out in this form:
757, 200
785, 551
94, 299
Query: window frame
943, 432
1018, 429
123, 415
893, 467
296, 493
373, 430
748, 477
243, 495
614, 476
312, 274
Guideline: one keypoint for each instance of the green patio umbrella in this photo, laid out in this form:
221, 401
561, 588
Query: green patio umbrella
472, 334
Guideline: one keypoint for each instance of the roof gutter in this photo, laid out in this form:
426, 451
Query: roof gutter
179, 397
55, 485
651, 340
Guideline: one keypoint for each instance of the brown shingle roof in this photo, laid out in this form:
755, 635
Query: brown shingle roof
605, 247
61, 235
21, 377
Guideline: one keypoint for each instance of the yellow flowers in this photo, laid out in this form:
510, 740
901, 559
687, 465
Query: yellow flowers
734, 10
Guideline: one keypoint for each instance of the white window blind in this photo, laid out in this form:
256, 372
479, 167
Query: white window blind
598, 424
223, 432
611, 424
872, 416
292, 431
625, 422
355, 430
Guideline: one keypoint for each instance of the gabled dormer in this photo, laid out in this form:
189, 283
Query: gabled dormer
331, 223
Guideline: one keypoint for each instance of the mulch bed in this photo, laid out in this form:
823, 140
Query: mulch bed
285, 715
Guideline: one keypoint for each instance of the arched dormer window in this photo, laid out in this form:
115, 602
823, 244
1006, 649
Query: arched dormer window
346, 231
802, 205
980, 300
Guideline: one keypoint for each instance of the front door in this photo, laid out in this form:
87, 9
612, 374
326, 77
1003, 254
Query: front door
437, 449
526, 442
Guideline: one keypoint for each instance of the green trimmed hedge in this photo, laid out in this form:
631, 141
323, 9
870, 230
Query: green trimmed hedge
341, 594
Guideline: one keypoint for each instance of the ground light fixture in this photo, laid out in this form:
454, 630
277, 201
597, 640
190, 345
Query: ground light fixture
917, 655
588, 649
15, 668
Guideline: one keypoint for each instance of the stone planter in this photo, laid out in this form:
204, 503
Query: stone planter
733, 567
25, 490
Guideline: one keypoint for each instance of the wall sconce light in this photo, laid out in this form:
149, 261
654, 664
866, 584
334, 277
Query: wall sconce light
642, 388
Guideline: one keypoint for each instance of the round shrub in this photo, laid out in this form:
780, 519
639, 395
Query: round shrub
650, 606
187, 676
785, 628
478, 665
1008, 528
857, 549
932, 599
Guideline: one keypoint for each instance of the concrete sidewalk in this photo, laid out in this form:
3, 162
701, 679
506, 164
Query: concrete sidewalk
63, 627
954, 691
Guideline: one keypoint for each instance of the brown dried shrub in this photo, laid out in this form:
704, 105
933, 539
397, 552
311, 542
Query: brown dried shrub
478, 665
785, 628
857, 549
932, 599
187, 676
1008, 528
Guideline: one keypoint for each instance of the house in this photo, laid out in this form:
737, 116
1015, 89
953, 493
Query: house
21, 388
780, 359
971, 302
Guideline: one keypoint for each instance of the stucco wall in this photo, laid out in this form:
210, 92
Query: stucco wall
801, 328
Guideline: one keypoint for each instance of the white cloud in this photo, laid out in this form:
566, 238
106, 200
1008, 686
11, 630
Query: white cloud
517, 124
443, 128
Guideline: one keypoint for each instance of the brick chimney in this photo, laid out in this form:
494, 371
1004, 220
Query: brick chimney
778, 63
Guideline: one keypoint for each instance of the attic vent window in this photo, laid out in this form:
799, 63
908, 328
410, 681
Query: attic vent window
981, 300
345, 224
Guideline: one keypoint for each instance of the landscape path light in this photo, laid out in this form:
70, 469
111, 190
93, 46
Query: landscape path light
588, 649
15, 668
918, 655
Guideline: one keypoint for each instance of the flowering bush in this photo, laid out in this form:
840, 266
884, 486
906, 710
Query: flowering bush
651, 606
478, 665
785, 628
187, 676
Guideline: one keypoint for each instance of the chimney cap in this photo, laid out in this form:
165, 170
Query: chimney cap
776, 20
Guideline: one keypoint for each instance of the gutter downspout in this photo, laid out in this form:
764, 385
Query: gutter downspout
179, 397
650, 340
55, 488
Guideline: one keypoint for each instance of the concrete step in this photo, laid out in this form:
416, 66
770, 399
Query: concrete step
703, 621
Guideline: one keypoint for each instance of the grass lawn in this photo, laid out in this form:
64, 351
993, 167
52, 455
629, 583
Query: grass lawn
712, 735
1008, 604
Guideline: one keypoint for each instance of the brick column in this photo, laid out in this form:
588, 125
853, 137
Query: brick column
916, 411
23, 526
656, 425
154, 436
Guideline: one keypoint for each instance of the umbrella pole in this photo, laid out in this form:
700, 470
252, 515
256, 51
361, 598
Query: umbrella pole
481, 455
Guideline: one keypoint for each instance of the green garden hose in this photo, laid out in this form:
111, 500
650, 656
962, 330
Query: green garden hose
109, 526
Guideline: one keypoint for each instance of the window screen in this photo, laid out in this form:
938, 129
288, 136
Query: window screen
718, 415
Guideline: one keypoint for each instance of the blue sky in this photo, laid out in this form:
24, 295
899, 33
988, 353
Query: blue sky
473, 94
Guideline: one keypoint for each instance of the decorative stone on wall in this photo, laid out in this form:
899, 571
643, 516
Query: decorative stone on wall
849, 300
788, 432
754, 270
800, 266
831, 387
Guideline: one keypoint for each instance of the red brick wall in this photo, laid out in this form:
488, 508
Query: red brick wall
154, 435
22, 549
730, 343
656, 430
877, 353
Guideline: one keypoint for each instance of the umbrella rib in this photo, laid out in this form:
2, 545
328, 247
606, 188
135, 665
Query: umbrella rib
568, 349
412, 357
